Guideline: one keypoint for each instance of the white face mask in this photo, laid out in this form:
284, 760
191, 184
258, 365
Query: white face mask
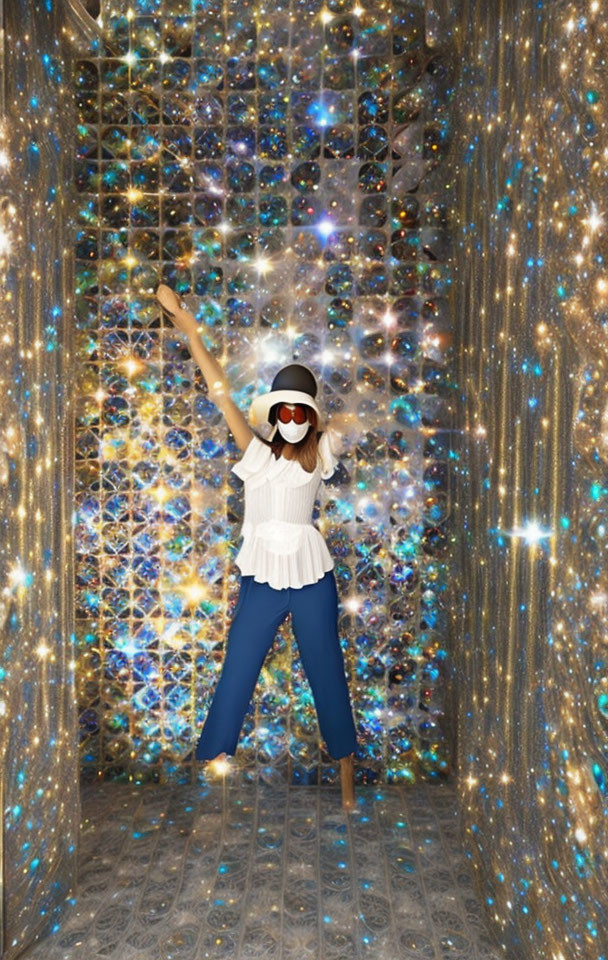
292, 431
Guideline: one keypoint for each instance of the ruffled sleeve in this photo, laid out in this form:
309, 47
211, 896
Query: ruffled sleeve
255, 459
330, 448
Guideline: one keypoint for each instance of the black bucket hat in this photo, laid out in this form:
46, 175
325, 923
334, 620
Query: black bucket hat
294, 383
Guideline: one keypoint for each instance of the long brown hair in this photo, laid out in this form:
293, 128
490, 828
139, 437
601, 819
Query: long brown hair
306, 450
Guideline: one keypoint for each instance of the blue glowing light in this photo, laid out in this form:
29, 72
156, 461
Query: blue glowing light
320, 115
325, 227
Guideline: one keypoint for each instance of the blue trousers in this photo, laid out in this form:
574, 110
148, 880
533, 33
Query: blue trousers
259, 611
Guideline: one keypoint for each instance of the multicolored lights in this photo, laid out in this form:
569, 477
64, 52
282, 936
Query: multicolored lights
39, 763
529, 608
287, 172
280, 168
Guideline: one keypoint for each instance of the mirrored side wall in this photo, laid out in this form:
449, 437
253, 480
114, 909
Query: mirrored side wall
38, 718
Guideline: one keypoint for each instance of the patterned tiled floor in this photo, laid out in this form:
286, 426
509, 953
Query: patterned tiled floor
244, 870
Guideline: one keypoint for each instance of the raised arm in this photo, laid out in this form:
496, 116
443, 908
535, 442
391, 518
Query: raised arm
217, 384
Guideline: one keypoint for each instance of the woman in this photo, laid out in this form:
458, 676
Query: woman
284, 561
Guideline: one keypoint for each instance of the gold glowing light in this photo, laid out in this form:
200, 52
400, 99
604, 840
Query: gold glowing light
17, 576
220, 766
595, 220
161, 493
263, 265
132, 366
194, 590
5, 242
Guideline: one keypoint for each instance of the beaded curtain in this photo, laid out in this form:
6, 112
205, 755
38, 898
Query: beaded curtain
530, 269
282, 169
39, 794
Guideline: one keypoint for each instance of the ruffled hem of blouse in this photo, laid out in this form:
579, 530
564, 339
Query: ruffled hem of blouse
306, 563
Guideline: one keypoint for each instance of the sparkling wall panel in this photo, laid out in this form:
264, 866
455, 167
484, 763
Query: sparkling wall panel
38, 721
283, 169
530, 159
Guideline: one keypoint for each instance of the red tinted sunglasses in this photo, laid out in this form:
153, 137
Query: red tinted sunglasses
298, 414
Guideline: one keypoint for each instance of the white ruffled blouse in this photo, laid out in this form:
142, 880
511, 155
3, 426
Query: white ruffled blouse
281, 546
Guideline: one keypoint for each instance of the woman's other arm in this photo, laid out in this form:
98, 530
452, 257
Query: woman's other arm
217, 384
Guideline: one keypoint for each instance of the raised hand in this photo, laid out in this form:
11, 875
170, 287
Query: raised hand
211, 368
170, 303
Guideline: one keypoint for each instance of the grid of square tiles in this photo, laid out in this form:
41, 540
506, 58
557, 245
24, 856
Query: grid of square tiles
282, 169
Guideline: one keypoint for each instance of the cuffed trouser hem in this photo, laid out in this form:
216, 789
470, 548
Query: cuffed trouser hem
259, 611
